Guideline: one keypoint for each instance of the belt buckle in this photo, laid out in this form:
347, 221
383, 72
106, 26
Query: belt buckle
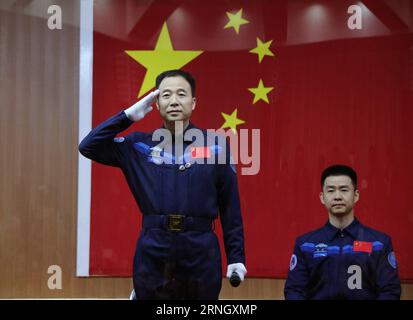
175, 222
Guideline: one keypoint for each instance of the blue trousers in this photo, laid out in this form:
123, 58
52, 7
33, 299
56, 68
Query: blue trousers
185, 265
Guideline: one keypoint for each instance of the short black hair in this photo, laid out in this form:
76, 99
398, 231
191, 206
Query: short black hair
339, 170
177, 73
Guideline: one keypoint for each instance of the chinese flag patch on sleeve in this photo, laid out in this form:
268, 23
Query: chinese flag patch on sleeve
362, 246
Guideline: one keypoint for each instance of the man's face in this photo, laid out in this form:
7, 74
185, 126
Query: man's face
175, 101
338, 195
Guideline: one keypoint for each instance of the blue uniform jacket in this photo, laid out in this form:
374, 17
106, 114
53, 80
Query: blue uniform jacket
356, 263
198, 190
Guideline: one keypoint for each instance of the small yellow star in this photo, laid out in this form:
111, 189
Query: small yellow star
235, 21
231, 121
262, 49
260, 92
163, 57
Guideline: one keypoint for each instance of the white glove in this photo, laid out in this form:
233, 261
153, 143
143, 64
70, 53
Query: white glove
238, 268
139, 110
132, 295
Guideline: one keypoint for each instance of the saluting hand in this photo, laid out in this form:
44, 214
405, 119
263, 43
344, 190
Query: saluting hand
139, 110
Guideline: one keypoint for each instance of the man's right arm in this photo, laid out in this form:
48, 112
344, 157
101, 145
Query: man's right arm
100, 144
298, 277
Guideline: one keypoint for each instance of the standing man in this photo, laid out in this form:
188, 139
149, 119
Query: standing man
180, 194
344, 259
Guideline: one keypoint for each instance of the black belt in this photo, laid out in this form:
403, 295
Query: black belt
177, 222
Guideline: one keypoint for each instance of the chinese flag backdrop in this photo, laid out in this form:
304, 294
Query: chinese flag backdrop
339, 95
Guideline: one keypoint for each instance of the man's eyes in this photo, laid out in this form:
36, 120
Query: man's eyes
167, 95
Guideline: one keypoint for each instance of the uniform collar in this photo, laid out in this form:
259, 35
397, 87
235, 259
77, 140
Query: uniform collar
352, 229
190, 126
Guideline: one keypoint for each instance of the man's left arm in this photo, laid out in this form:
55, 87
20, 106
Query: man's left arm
231, 219
388, 282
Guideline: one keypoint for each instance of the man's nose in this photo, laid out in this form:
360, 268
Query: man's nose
174, 101
337, 195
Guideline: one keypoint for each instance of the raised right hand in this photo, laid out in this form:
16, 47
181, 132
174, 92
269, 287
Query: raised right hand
141, 108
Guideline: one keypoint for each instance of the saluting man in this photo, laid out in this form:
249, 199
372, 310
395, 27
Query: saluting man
180, 191
344, 259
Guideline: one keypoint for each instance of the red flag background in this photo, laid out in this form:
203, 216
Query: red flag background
339, 95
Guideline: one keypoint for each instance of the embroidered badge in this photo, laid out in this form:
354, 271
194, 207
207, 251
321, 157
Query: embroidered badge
320, 250
293, 262
119, 139
392, 260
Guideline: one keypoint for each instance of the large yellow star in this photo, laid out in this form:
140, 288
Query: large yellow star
231, 121
162, 58
262, 49
260, 92
235, 21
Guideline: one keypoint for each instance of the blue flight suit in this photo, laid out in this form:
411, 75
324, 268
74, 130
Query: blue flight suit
356, 263
176, 257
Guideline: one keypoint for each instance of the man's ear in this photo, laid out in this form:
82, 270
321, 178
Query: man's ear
156, 103
356, 196
322, 198
193, 103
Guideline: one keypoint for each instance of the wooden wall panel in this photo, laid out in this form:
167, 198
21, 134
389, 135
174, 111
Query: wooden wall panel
39, 71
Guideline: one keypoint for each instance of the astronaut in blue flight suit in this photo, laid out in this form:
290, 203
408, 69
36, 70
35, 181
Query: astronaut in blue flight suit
344, 259
179, 194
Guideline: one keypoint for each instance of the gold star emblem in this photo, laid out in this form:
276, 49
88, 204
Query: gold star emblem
262, 49
231, 121
260, 92
162, 58
235, 21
